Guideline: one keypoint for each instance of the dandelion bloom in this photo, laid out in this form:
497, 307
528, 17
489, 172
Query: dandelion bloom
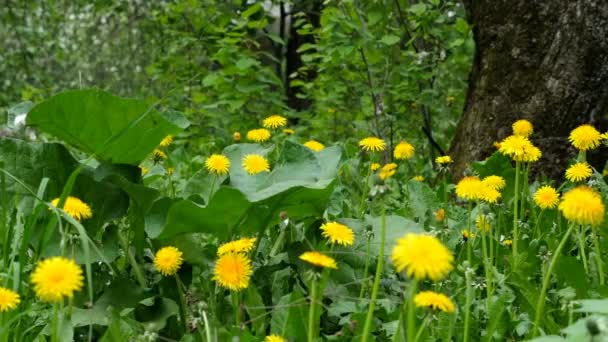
218, 164
168, 260
288, 131
314, 145
443, 160
582, 205
372, 144
243, 245
434, 300
494, 181
57, 278
233, 271
546, 197
578, 172
319, 260
523, 128
144, 170
482, 222
9, 299
422, 256
520, 149
75, 208
166, 141
507, 242
375, 166
338, 233
469, 188
467, 235
258, 135
489, 194
274, 338
388, 171
403, 151
158, 155
440, 215
170, 171
255, 163
274, 121
419, 178
236, 136
585, 137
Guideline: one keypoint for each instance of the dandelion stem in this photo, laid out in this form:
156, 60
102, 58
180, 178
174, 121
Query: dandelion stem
376, 286
581, 243
361, 211
515, 225
399, 323
182, 302
55, 323
366, 270
487, 268
425, 322
536, 224
411, 311
312, 328
540, 305
212, 188
598, 257
468, 301
237, 308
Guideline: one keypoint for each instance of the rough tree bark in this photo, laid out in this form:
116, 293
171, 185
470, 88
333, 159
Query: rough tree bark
546, 61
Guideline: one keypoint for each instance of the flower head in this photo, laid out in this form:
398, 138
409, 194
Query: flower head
520, 149
482, 223
166, 141
403, 151
375, 166
489, 193
546, 197
418, 178
75, 208
507, 242
440, 215
422, 256
57, 278
218, 164
388, 171
319, 260
274, 338
274, 121
243, 245
255, 163
233, 271
585, 137
523, 128
168, 260
144, 170
372, 144
338, 233
467, 235
236, 136
314, 145
443, 160
434, 300
258, 135
158, 155
288, 131
578, 172
469, 188
9, 299
495, 182
582, 205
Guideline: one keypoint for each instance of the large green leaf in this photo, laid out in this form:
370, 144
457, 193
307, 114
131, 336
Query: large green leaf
115, 129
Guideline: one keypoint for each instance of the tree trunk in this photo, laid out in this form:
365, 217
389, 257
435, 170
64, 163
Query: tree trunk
545, 61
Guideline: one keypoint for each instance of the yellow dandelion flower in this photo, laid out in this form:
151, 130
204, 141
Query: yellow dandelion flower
467, 235
523, 128
274, 121
482, 223
520, 149
582, 205
233, 271
9, 299
375, 166
255, 163
144, 170
274, 338
507, 242
259, 135
450, 100
57, 278
218, 164
546, 197
166, 141
243, 245
440, 215
170, 171
489, 194
578, 172
75, 208
422, 256
338, 233
236, 136
469, 188
314, 145
404, 151
288, 131
168, 260
495, 182
158, 155
319, 260
585, 137
388, 171
443, 160
434, 300
419, 178
372, 144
